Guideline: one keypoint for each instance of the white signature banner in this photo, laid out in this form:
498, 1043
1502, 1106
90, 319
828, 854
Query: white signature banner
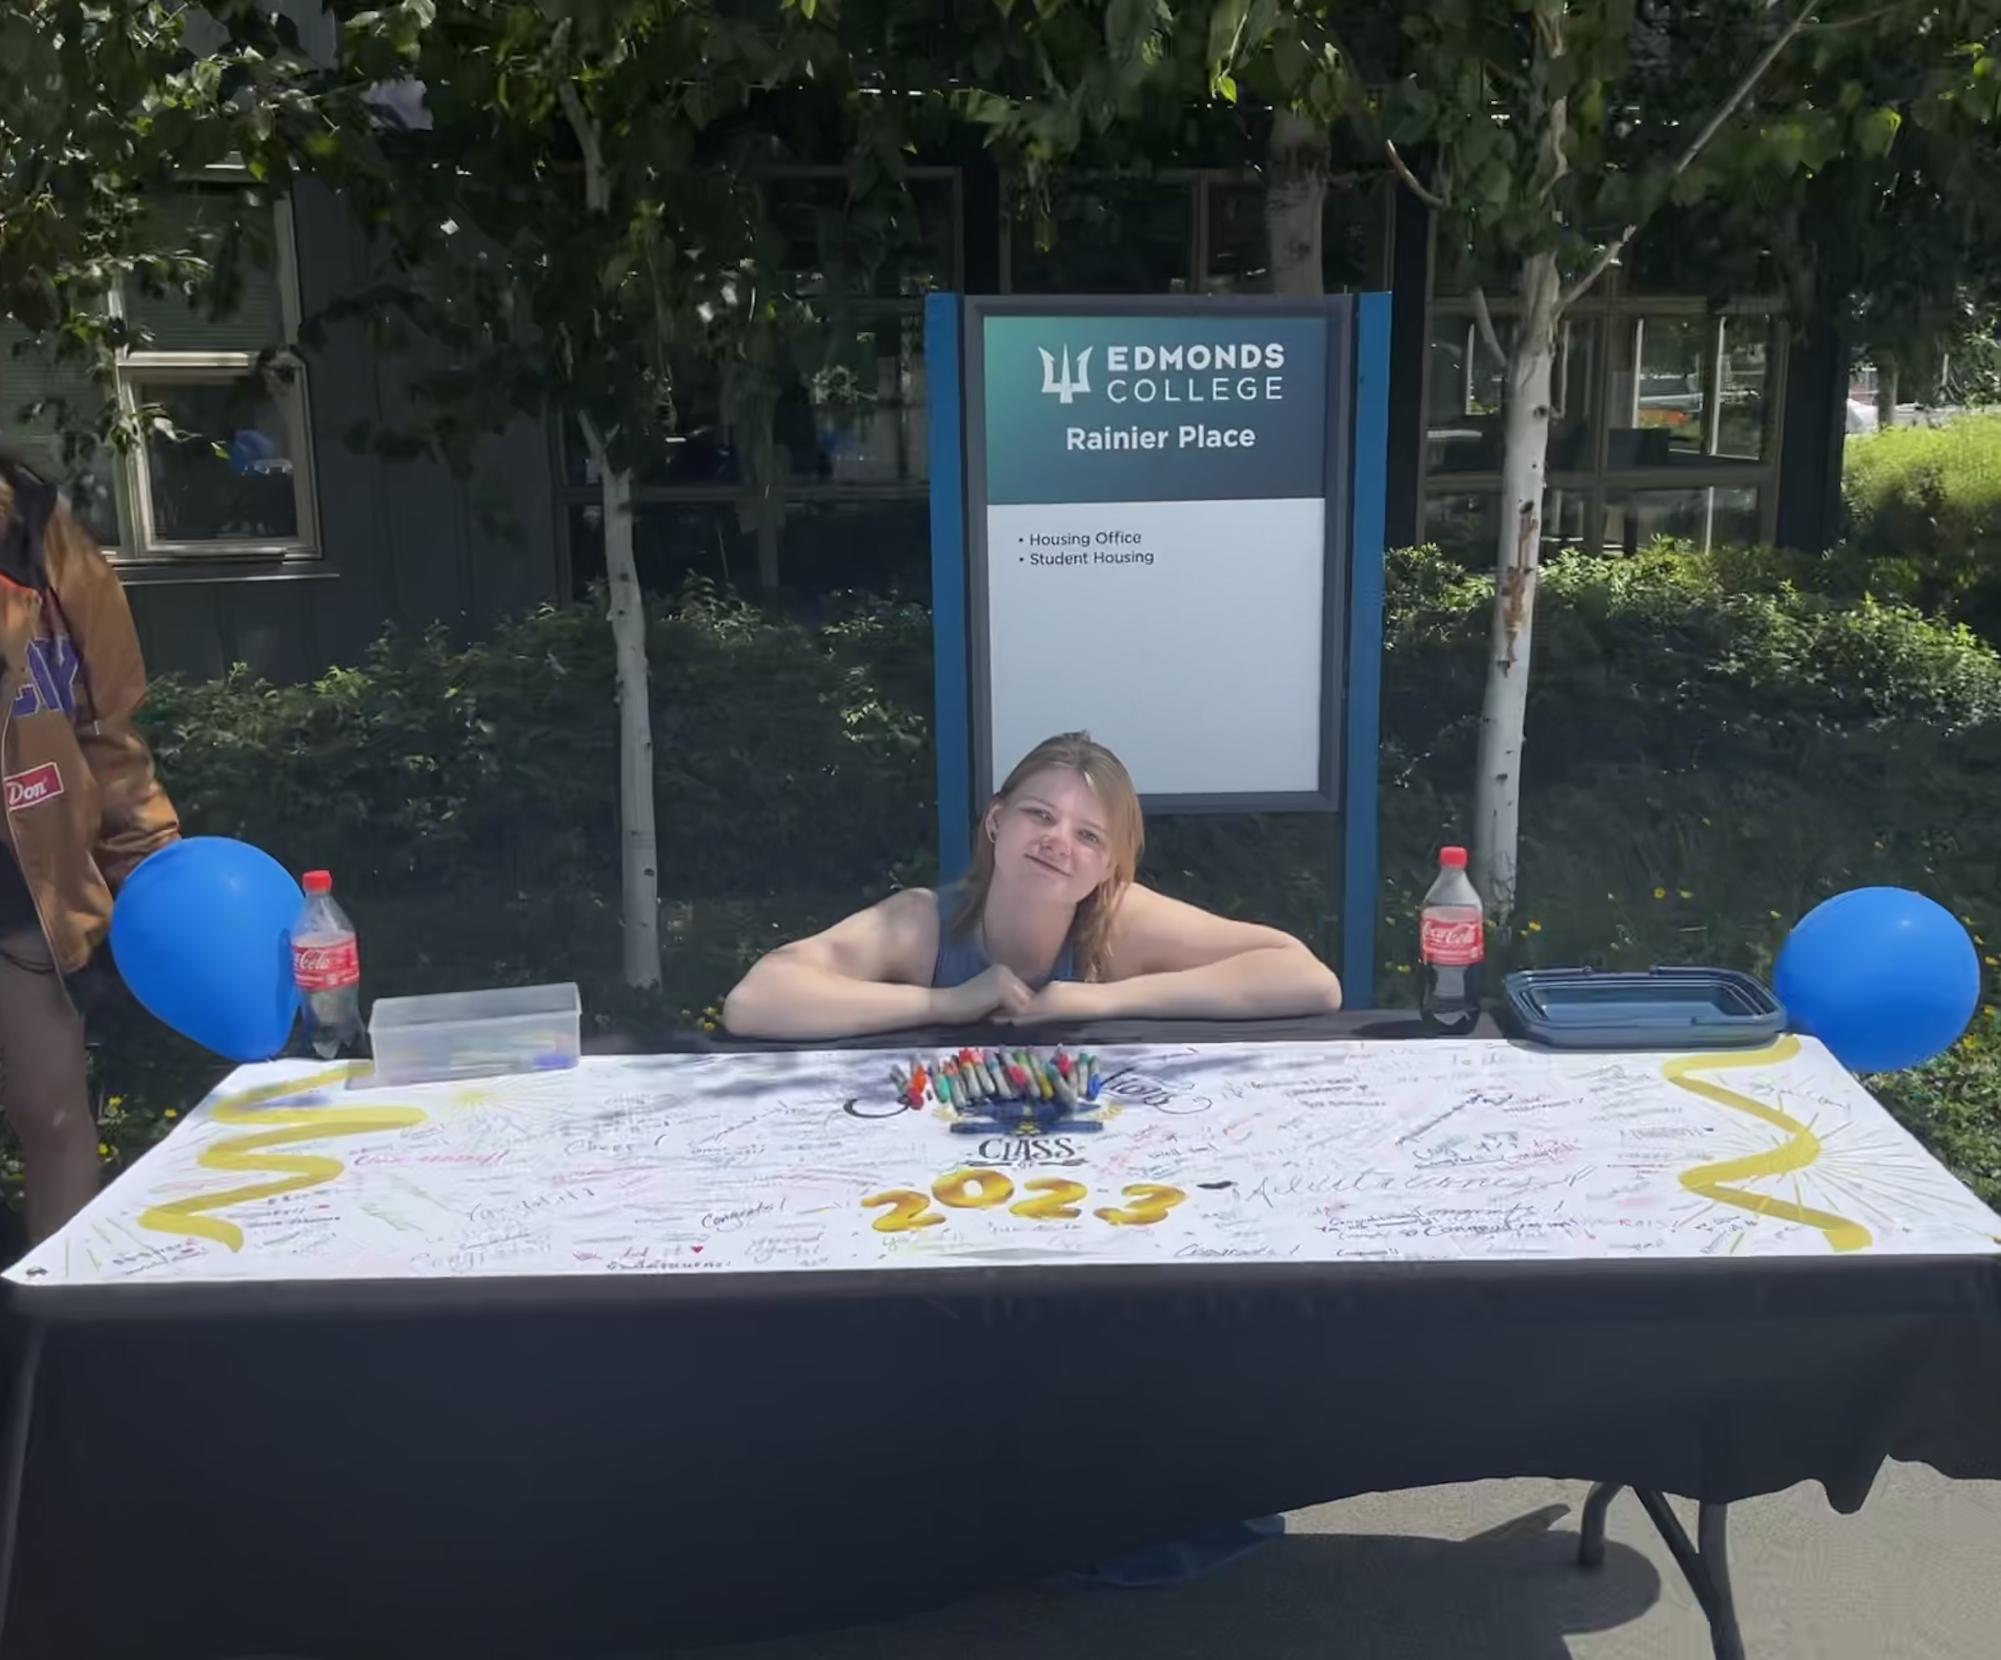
678, 1164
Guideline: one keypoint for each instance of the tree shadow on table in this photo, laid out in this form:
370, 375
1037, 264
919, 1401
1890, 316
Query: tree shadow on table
1514, 1592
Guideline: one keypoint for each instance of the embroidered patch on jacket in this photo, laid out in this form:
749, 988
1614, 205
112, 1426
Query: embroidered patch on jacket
35, 786
51, 679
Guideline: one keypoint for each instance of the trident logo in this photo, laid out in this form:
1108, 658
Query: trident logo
1064, 387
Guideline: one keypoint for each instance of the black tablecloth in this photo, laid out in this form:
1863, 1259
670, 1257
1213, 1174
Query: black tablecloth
593, 1468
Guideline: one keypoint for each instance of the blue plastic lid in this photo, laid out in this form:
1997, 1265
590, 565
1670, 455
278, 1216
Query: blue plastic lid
1663, 1008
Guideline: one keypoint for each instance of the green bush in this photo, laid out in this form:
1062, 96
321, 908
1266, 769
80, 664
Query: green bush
1660, 655
1924, 515
1954, 1105
1703, 765
778, 744
1712, 748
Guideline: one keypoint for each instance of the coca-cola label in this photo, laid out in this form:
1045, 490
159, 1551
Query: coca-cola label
1452, 943
327, 967
32, 788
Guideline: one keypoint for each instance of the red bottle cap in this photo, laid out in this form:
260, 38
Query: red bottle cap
1453, 858
318, 881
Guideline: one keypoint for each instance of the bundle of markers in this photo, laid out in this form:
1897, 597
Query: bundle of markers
972, 1078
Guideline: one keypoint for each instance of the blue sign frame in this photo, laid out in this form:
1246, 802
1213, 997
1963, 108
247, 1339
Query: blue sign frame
1357, 393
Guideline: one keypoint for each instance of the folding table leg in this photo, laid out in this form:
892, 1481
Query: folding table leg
1591, 1531
1704, 1564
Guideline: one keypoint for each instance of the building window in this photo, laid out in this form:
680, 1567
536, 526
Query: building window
1469, 521
1187, 231
868, 403
856, 418
849, 413
1108, 235
224, 468
1465, 395
238, 490
849, 423
1712, 516
1664, 424
1747, 387
851, 541
1233, 247
1658, 404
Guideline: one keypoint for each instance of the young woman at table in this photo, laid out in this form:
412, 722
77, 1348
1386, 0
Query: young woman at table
83, 807
1048, 925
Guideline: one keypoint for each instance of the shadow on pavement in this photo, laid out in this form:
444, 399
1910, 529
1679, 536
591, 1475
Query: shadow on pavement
1511, 1593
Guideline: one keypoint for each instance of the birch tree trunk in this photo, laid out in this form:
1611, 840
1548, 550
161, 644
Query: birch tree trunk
1497, 784
1295, 199
1497, 793
639, 847
1887, 380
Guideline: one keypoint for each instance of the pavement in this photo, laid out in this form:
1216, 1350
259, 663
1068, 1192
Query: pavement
1486, 1571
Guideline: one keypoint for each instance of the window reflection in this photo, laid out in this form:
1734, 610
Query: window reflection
1466, 391
1239, 246
1746, 365
1657, 392
865, 418
1108, 236
1466, 523
1713, 517
233, 481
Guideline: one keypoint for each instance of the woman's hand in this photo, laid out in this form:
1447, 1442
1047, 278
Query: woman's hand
998, 994
1060, 1000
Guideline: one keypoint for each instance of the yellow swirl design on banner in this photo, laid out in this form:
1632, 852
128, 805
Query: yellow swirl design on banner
1795, 1154
294, 1171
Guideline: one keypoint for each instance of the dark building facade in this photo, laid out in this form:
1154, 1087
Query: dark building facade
290, 549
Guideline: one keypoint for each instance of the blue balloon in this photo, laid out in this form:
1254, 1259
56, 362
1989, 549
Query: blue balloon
202, 933
1885, 978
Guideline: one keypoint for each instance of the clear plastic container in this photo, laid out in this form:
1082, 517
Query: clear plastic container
476, 1034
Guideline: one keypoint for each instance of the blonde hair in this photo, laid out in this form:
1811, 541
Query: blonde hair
1125, 830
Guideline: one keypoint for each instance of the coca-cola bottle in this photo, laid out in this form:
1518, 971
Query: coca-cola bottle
326, 963
1453, 947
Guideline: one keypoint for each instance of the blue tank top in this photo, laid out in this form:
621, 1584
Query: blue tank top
960, 958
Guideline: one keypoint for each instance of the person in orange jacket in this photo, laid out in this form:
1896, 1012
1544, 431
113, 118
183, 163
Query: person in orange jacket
83, 807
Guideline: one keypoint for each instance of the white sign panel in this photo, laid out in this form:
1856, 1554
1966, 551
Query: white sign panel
1228, 704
